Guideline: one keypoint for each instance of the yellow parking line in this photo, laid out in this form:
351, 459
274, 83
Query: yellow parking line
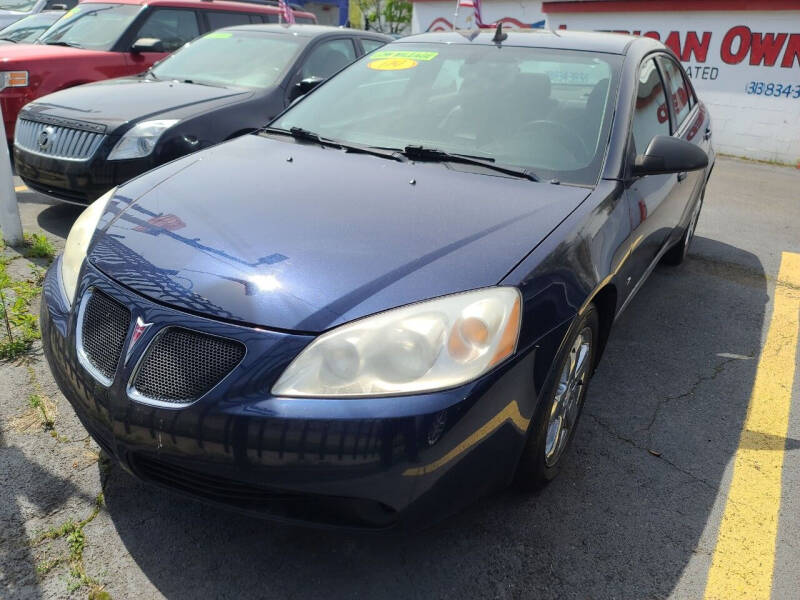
744, 556
21, 188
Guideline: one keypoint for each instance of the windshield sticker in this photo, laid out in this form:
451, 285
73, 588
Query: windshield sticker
412, 55
70, 12
392, 64
219, 35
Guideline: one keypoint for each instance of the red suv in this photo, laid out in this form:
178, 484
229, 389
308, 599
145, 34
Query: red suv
101, 40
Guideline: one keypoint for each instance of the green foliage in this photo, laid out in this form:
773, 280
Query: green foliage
18, 325
386, 16
38, 246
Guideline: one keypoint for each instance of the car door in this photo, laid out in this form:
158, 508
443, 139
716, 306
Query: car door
173, 26
323, 60
688, 126
651, 198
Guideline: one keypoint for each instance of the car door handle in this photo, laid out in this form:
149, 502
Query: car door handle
682, 176
707, 135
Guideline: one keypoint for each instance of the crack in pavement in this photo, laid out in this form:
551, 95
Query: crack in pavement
717, 370
638, 446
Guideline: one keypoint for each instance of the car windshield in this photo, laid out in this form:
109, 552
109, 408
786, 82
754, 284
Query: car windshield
29, 28
545, 110
93, 26
232, 57
17, 5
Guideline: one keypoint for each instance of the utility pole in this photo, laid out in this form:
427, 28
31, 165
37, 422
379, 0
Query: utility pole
10, 224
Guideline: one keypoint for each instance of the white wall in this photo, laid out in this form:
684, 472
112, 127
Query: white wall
724, 54
438, 16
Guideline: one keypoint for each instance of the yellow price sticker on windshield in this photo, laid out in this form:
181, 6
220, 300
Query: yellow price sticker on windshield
392, 64
70, 12
219, 35
410, 54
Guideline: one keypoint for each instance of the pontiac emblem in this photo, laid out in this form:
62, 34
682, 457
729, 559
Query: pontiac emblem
138, 332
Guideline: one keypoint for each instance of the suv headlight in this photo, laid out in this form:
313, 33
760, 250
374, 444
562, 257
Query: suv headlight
78, 242
421, 347
140, 139
13, 79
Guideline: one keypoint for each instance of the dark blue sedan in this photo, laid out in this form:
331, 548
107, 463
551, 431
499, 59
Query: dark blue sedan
391, 300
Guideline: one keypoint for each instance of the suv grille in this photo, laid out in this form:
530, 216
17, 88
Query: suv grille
105, 325
56, 141
181, 365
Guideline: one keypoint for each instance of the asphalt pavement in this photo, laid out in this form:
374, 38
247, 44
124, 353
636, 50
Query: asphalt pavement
649, 504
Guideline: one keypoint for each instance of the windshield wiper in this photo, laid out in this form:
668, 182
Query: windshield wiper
422, 153
67, 44
9, 40
299, 133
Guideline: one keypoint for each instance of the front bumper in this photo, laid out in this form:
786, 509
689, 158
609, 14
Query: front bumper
78, 181
364, 463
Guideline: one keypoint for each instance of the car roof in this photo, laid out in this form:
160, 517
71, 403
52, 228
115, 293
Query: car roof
590, 41
309, 31
249, 7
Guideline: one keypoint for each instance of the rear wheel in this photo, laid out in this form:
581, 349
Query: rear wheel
678, 253
557, 415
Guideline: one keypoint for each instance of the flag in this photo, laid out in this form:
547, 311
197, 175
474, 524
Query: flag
286, 12
476, 6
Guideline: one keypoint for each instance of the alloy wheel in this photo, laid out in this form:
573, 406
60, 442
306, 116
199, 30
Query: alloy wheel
569, 396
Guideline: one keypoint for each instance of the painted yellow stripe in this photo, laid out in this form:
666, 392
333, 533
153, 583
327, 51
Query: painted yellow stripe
509, 413
21, 188
744, 556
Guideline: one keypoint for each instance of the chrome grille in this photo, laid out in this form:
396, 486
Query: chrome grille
182, 365
102, 335
56, 141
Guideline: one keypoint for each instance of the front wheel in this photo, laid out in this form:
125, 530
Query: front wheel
559, 410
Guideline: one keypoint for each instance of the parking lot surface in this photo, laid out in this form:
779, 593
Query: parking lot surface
683, 481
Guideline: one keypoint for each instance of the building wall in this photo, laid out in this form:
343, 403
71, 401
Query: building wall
437, 15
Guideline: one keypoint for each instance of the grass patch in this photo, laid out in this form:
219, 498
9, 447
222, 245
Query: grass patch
20, 327
38, 246
75, 537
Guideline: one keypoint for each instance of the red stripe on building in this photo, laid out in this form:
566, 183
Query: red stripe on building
598, 6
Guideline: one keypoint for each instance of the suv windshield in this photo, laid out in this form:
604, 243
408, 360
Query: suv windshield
545, 110
232, 57
30, 28
92, 26
17, 5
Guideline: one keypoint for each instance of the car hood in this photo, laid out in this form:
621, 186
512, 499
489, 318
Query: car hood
121, 101
296, 237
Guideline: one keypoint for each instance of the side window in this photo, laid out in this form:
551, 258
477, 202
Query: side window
218, 20
370, 45
174, 27
328, 58
651, 117
678, 92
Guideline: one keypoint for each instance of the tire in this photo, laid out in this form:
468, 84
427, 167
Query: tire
548, 440
678, 253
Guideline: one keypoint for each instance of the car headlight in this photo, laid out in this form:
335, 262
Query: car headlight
140, 139
78, 242
421, 347
13, 79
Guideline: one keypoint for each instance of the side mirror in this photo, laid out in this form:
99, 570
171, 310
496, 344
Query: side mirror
302, 87
57, 7
667, 154
148, 45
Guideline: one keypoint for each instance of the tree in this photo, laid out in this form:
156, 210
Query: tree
386, 16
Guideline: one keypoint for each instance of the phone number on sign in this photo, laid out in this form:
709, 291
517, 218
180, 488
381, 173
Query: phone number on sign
770, 88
